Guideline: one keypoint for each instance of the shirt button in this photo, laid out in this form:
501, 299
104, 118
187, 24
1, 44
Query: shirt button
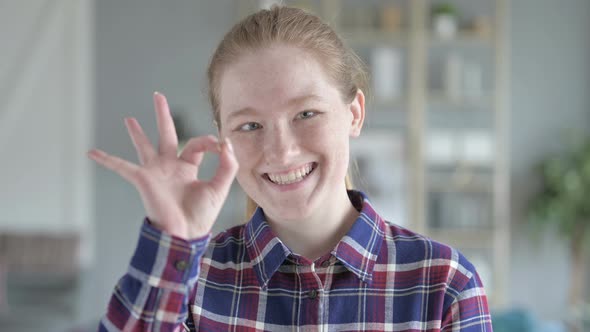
180, 265
326, 263
313, 294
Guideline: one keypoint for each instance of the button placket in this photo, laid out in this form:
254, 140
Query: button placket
181, 265
313, 294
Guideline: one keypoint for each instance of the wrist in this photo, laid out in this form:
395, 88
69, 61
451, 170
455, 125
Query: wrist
185, 233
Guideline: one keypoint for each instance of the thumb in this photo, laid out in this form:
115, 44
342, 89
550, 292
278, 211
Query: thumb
227, 169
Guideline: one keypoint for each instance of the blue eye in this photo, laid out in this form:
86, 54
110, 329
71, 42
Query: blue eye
249, 126
306, 114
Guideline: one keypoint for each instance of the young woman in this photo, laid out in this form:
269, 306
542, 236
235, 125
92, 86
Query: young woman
315, 256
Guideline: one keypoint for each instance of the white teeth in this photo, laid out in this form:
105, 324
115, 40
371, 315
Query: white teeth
291, 177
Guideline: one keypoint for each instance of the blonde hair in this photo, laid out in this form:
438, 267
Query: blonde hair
281, 25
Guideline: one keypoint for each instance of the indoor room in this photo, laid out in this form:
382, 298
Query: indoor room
475, 137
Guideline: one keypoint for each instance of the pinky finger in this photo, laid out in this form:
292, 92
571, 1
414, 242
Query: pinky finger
120, 166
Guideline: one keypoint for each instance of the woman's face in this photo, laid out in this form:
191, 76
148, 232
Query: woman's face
290, 130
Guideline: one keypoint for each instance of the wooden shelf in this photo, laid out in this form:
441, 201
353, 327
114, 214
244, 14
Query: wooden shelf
426, 109
373, 37
438, 97
463, 38
451, 187
384, 118
460, 167
381, 104
476, 238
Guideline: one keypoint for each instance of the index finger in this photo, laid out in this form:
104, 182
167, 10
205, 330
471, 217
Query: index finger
195, 148
168, 139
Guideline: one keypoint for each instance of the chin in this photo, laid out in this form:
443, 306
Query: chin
288, 210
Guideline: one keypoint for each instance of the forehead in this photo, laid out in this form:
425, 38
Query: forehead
269, 78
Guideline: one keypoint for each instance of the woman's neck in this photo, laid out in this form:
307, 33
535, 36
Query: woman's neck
319, 233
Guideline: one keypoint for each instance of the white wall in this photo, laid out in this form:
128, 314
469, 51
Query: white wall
45, 110
550, 99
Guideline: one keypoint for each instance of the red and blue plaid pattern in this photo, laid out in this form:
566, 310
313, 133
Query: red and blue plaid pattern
380, 277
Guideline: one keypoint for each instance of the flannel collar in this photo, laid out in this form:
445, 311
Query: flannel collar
357, 250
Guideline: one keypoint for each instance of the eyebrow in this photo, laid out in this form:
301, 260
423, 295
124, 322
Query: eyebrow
291, 102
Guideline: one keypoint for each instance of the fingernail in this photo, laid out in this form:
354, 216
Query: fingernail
156, 93
129, 122
92, 153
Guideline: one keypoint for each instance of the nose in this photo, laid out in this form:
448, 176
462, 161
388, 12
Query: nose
280, 145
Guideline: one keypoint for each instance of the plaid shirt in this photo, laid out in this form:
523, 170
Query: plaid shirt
380, 277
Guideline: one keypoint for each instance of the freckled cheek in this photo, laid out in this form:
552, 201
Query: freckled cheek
336, 148
330, 138
246, 154
246, 150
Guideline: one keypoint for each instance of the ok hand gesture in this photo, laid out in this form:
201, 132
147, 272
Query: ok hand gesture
175, 200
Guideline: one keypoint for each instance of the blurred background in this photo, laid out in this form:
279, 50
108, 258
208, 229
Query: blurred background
474, 136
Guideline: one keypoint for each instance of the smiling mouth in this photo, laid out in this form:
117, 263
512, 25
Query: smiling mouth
292, 176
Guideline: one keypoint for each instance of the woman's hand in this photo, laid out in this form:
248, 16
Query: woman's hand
175, 200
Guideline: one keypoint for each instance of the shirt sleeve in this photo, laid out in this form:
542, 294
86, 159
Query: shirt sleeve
469, 310
153, 294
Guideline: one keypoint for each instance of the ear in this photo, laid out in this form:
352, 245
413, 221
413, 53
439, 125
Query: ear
357, 109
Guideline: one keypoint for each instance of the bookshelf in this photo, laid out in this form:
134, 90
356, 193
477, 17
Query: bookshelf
442, 100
